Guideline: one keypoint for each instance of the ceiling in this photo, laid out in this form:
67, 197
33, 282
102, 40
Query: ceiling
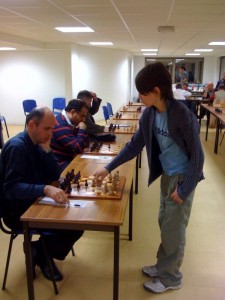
130, 24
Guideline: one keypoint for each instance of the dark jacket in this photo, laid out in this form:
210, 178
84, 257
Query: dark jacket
184, 130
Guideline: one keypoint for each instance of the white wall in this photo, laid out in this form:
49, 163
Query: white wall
104, 71
38, 75
211, 69
43, 75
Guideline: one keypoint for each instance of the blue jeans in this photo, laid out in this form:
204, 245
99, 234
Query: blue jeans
173, 220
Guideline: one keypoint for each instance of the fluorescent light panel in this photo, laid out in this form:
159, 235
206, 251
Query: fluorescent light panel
203, 50
6, 48
146, 50
193, 54
217, 43
101, 43
74, 29
150, 54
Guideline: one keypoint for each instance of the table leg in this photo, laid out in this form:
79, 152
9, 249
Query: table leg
116, 263
131, 213
136, 176
28, 258
207, 125
217, 135
140, 157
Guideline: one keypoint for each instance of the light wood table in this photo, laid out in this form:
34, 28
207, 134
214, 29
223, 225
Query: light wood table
220, 118
96, 215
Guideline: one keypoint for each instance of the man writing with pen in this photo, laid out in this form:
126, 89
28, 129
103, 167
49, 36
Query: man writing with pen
28, 167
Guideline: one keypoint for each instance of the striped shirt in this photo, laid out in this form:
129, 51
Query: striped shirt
67, 140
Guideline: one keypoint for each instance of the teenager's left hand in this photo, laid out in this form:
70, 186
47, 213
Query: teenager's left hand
175, 197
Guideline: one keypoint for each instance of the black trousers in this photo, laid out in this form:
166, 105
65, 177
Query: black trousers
58, 242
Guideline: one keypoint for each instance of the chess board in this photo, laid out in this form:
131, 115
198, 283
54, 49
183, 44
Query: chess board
105, 149
117, 129
127, 116
87, 191
96, 192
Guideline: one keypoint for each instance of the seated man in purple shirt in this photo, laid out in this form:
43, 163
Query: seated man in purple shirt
70, 136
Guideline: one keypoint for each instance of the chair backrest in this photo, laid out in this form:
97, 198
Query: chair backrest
105, 112
28, 105
110, 110
58, 104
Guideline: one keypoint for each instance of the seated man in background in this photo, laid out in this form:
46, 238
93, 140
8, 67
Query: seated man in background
28, 167
185, 87
181, 94
209, 92
69, 136
93, 102
219, 100
221, 81
190, 104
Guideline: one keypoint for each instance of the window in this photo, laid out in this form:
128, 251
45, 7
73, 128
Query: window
193, 67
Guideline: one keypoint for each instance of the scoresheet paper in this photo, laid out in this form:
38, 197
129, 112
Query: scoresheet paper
106, 157
73, 202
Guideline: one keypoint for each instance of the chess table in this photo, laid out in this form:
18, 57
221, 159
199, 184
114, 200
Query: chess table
97, 214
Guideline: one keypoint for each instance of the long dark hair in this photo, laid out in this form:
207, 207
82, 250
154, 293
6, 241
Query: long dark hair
154, 75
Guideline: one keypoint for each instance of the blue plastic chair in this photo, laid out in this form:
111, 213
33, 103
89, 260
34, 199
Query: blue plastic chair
105, 113
110, 110
28, 105
58, 104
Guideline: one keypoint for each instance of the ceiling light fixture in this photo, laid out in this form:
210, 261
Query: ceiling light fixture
101, 43
203, 50
150, 54
74, 29
217, 43
6, 48
145, 50
192, 54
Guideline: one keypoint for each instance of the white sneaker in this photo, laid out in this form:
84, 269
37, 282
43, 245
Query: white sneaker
150, 271
156, 286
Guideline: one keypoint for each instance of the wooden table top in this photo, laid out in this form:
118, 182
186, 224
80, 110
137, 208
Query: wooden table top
212, 110
94, 213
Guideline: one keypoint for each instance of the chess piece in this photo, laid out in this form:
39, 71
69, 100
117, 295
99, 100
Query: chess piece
110, 178
69, 189
105, 187
93, 182
110, 188
117, 175
78, 184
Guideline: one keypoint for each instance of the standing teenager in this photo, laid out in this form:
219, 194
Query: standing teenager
170, 133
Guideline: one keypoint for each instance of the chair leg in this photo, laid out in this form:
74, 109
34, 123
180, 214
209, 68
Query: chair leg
12, 237
222, 138
6, 128
72, 250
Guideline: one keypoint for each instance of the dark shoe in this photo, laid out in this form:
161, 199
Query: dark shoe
46, 270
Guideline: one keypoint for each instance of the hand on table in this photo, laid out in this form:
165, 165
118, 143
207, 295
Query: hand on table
58, 195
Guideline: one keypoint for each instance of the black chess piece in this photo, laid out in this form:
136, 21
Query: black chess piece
78, 185
69, 189
86, 184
